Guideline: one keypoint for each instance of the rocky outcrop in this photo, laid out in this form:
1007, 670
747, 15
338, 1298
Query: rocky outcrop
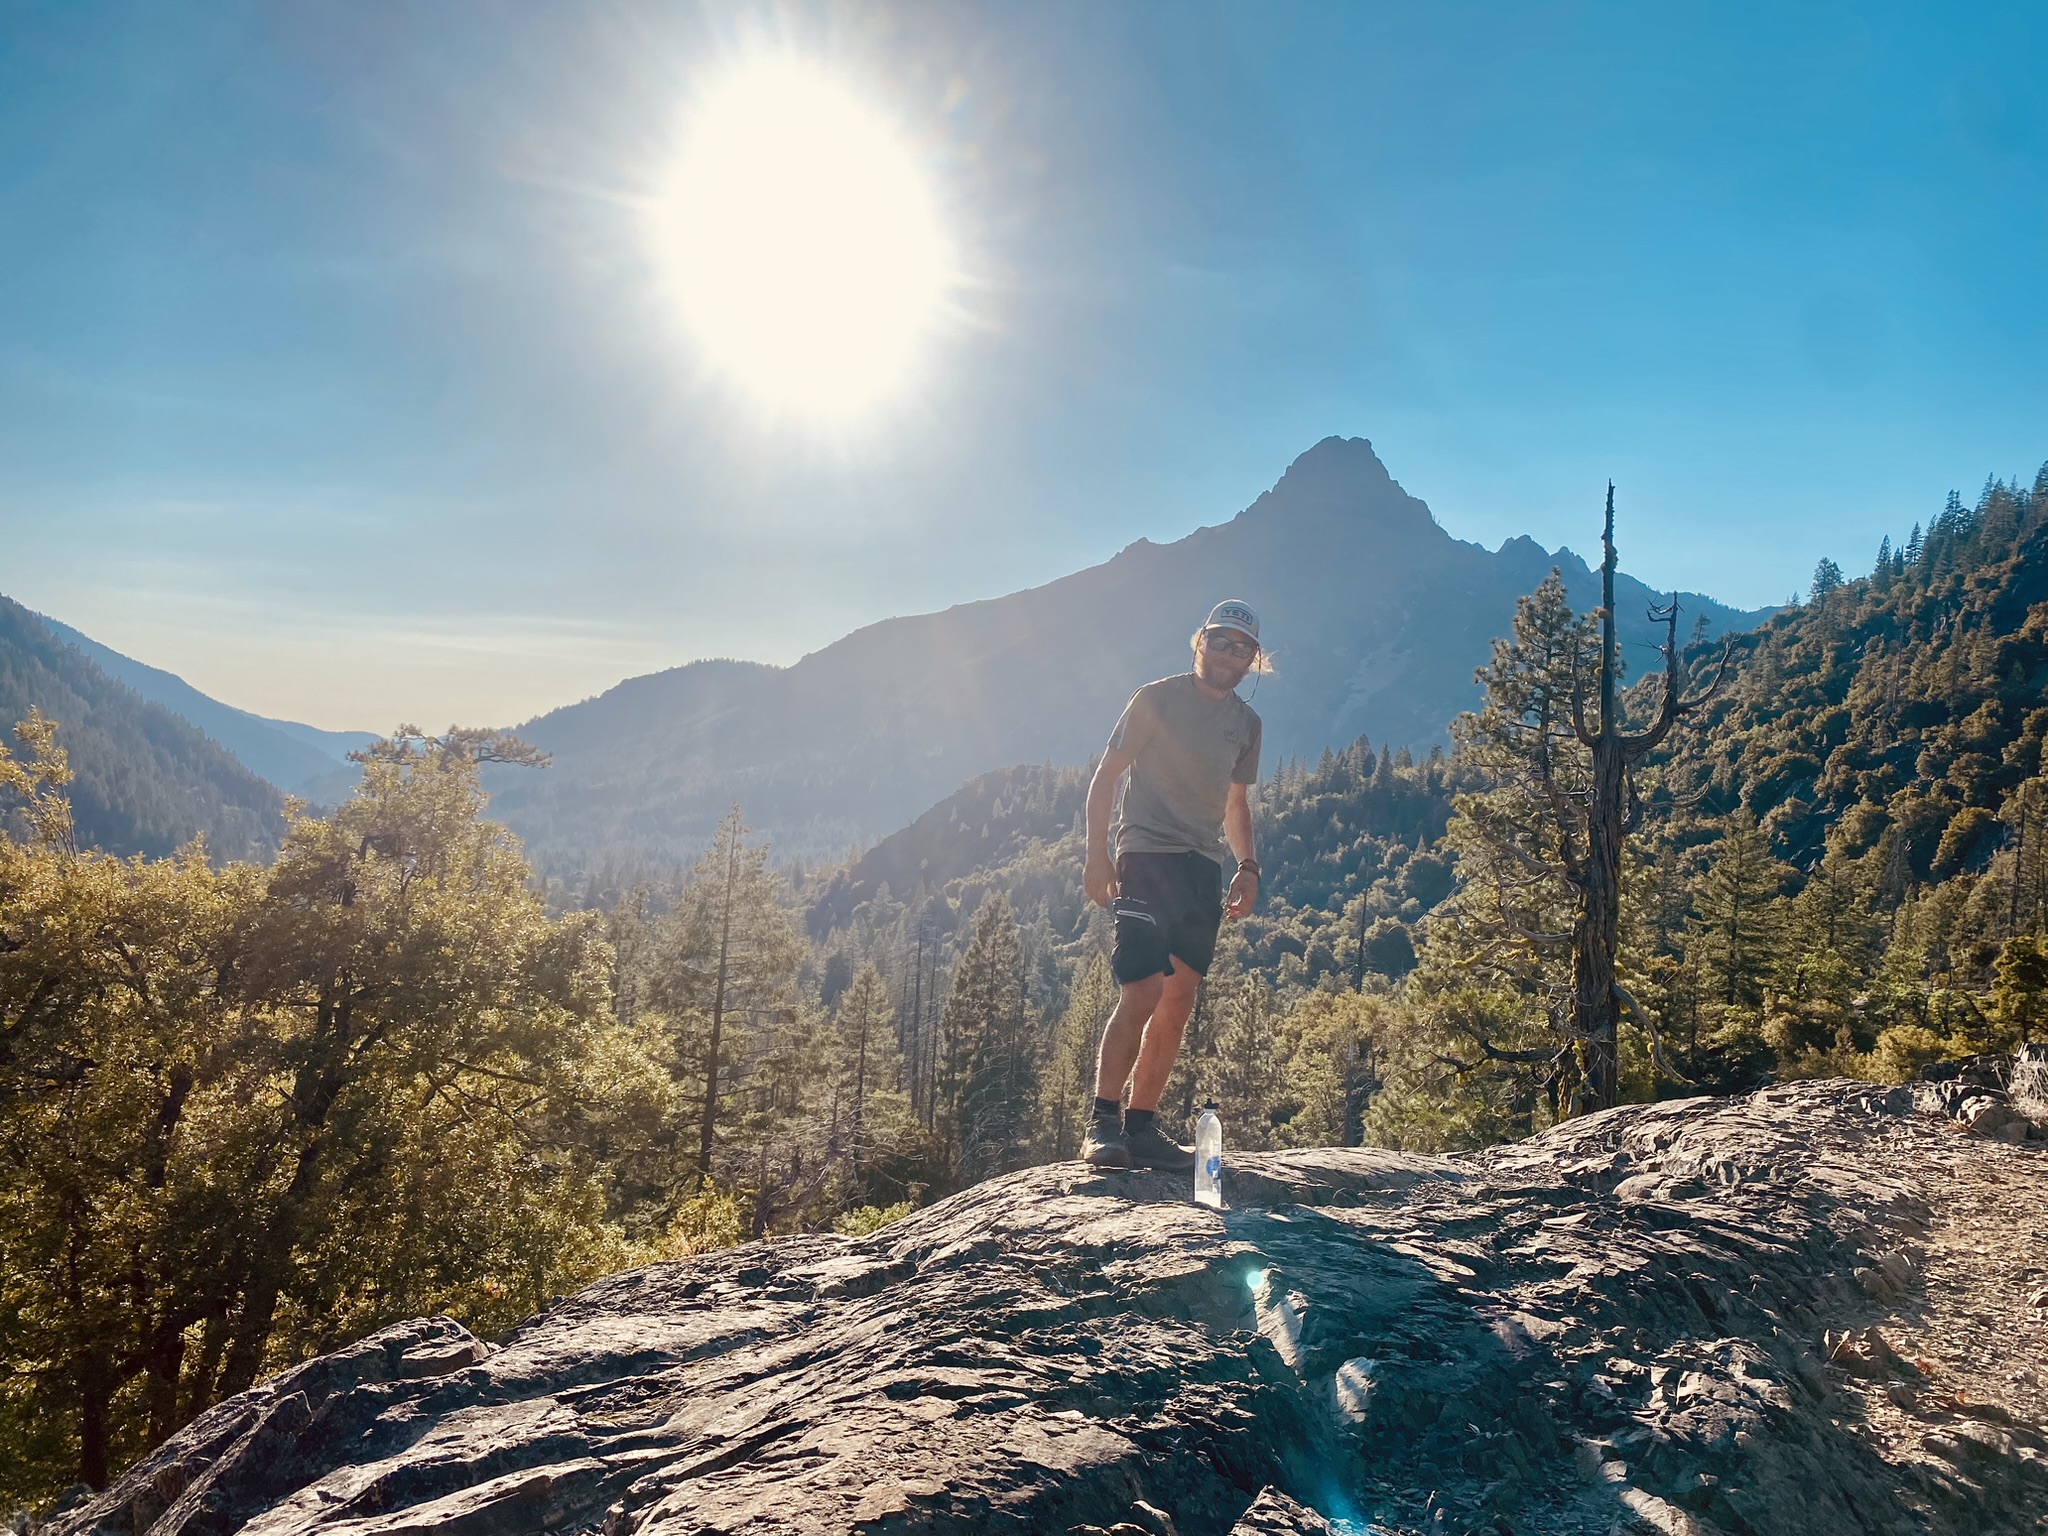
1804, 1311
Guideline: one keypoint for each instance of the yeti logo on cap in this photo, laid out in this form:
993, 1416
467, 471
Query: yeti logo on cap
1233, 614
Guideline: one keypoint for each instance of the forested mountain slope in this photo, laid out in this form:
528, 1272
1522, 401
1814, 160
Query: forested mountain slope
987, 823
1377, 617
1349, 844
300, 759
1842, 867
146, 781
1901, 709
1895, 720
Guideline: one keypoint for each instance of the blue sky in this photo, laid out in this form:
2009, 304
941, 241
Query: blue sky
334, 374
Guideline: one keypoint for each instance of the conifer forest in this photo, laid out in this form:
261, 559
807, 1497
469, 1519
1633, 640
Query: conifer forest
253, 1107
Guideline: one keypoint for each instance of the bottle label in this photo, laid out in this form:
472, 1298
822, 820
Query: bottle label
1214, 1167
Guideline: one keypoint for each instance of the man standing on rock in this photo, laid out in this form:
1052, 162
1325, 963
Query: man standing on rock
1177, 769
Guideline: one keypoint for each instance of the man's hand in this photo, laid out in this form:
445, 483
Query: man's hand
1237, 832
1099, 877
1244, 891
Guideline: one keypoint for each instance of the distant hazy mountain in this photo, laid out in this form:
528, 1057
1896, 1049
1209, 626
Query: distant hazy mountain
298, 758
1376, 617
146, 780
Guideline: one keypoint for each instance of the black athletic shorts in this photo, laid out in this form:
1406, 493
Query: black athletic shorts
1167, 908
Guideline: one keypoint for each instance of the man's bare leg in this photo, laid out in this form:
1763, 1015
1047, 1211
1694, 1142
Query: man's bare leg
1144, 1032
1163, 1032
1139, 1045
1124, 1035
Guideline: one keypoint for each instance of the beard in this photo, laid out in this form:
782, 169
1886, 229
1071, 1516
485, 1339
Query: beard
1221, 672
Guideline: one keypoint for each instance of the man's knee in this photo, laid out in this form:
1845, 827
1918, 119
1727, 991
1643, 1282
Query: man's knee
1140, 997
1179, 989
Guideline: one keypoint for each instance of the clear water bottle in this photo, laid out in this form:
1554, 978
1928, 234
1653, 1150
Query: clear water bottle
1209, 1157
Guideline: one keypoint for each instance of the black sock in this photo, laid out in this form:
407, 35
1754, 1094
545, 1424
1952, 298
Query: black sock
1108, 1109
1138, 1119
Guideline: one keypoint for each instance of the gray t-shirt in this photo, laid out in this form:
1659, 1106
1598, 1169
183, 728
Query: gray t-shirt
1188, 750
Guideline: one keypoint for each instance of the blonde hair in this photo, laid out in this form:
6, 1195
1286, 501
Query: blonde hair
1262, 659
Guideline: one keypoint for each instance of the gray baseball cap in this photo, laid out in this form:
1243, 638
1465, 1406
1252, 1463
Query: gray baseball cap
1232, 613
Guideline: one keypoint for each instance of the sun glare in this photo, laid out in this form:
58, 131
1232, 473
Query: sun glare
803, 242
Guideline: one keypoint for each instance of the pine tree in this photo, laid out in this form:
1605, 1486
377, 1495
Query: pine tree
1247, 1073
1826, 942
2020, 998
1068, 1092
869, 1065
786, 1136
2025, 858
986, 1085
728, 967
1734, 936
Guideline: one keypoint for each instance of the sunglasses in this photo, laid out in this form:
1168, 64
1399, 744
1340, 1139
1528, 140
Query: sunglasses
1230, 642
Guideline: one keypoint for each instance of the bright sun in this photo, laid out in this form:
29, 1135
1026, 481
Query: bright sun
803, 242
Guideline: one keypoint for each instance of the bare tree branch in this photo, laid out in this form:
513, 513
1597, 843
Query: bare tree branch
1675, 706
1687, 706
1649, 1027
1541, 868
1515, 930
1493, 1053
1586, 737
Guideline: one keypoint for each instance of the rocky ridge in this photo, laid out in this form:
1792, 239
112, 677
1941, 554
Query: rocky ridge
1818, 1308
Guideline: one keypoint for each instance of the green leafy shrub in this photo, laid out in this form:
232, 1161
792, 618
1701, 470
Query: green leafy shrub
863, 1220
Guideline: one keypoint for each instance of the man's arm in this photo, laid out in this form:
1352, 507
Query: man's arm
1098, 876
1237, 832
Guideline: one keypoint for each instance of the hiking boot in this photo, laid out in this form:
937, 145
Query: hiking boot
1103, 1146
1149, 1147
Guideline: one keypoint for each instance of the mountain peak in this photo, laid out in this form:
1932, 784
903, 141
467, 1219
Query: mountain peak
1348, 462
1341, 480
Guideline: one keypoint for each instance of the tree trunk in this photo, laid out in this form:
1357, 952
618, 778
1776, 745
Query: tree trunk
320, 1085
1596, 938
708, 1129
2019, 862
249, 1337
1595, 874
166, 1365
860, 1089
95, 1393
199, 1392
760, 1229
913, 1045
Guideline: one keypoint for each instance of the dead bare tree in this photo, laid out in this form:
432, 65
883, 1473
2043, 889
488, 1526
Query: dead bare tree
1546, 844
1592, 862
